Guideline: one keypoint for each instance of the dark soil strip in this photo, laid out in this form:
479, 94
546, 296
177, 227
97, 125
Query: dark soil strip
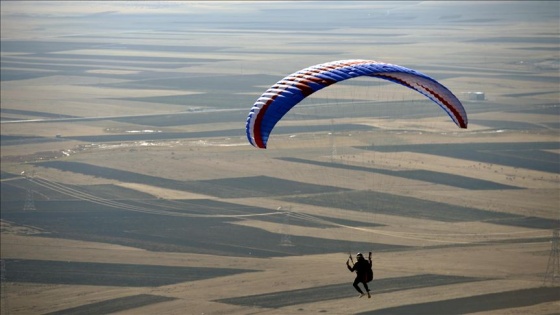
114, 305
479, 303
345, 290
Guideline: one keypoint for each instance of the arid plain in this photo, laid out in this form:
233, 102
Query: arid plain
128, 185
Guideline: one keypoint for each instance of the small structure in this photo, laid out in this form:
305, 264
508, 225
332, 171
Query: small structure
29, 204
474, 96
285, 231
552, 275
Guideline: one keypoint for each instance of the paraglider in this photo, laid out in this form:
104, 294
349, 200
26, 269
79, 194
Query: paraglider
364, 272
277, 100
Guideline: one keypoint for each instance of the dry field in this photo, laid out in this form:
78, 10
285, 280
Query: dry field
128, 186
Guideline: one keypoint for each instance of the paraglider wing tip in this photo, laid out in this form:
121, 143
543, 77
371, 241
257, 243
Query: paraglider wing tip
259, 145
256, 144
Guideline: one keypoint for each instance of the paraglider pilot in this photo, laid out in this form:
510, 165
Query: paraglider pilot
364, 272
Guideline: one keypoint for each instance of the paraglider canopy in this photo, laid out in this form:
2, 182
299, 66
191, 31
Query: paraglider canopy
277, 100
